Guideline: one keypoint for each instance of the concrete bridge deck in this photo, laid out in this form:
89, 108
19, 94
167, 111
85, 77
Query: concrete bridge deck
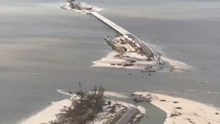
128, 115
110, 23
146, 49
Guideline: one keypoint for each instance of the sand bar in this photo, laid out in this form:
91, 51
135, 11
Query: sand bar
184, 111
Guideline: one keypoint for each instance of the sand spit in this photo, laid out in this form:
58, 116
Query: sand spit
120, 95
142, 109
140, 63
183, 111
176, 64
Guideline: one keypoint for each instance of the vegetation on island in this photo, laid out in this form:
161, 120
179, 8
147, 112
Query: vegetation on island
83, 110
92, 106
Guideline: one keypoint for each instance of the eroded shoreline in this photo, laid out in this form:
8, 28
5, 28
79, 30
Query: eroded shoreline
179, 110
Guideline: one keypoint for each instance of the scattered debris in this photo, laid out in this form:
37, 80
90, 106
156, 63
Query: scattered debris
148, 67
128, 64
152, 71
70, 92
195, 114
135, 100
190, 120
175, 102
162, 100
172, 68
178, 108
149, 59
175, 114
132, 61
142, 99
132, 94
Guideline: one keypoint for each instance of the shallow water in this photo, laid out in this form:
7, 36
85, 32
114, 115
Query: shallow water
44, 48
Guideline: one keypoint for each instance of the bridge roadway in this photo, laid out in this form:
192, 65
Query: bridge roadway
128, 115
146, 49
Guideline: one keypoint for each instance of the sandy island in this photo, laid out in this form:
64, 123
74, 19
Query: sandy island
54, 108
179, 110
183, 111
140, 63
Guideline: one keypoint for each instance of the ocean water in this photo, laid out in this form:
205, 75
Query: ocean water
44, 48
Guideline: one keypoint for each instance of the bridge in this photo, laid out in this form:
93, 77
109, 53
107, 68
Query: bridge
131, 112
146, 49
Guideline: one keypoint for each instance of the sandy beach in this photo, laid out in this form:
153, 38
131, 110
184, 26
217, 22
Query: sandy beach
48, 114
183, 111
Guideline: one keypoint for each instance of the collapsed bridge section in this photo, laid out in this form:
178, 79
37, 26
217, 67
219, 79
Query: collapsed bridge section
145, 48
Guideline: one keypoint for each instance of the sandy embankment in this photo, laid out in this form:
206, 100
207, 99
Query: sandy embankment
141, 62
50, 112
187, 111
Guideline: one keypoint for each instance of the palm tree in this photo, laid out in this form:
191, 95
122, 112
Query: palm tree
100, 96
81, 94
95, 90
